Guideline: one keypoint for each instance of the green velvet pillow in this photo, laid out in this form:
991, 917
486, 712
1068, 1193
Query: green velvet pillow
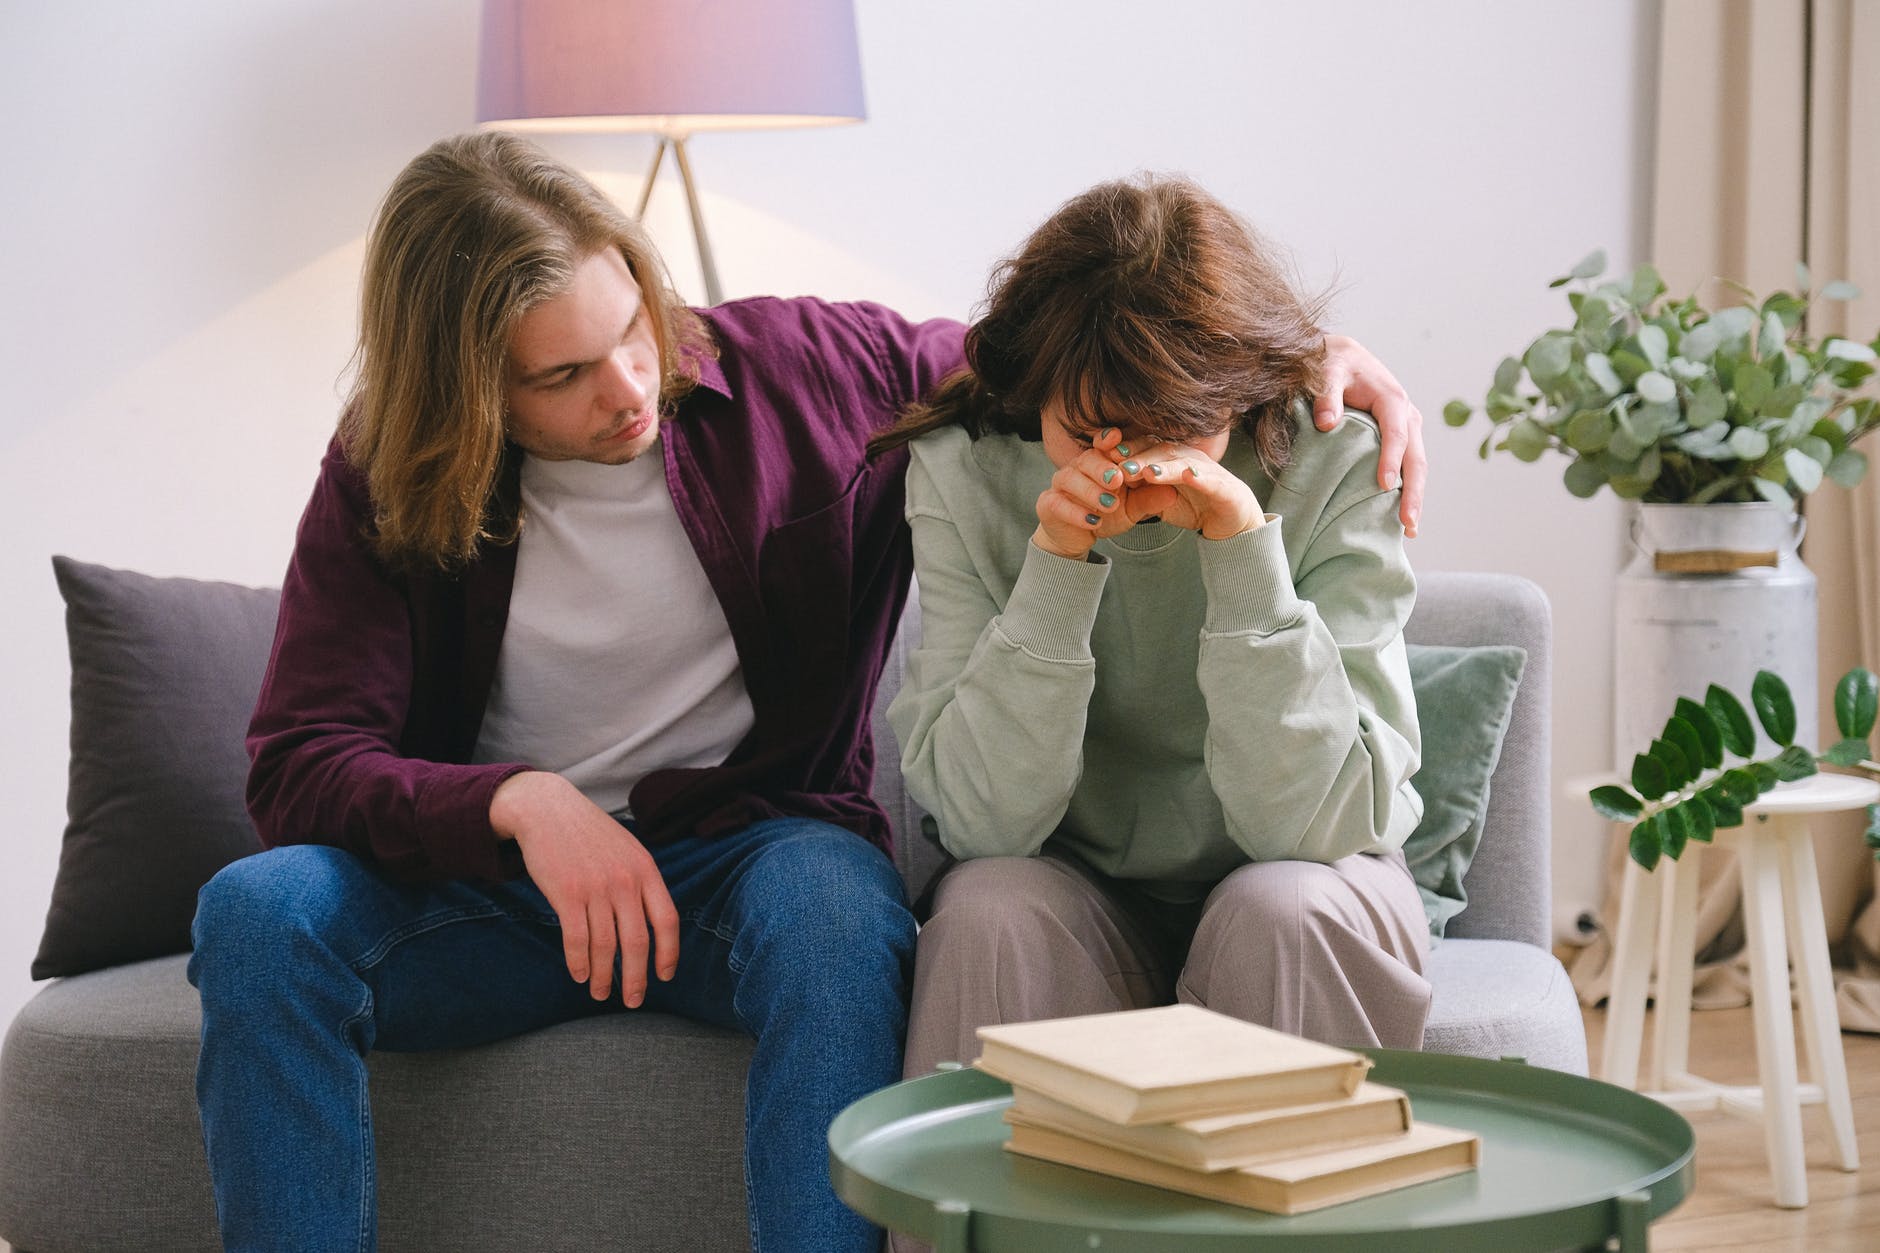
1464, 699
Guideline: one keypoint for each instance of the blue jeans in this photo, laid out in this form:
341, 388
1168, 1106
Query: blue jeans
794, 931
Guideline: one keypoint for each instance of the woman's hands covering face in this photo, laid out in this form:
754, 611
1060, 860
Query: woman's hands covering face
1111, 486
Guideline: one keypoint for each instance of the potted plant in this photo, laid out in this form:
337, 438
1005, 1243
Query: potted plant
1716, 423
1667, 403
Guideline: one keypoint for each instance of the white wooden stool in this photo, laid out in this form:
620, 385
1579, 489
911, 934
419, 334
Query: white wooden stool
1782, 914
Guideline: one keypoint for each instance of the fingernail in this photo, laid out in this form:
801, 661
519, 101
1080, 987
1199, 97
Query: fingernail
1092, 519
1105, 499
1156, 471
1390, 479
1131, 467
1122, 450
1109, 476
1106, 432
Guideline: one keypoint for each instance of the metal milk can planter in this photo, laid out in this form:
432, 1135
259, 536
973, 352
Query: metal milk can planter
1713, 594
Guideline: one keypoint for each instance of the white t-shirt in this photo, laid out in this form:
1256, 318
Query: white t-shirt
617, 660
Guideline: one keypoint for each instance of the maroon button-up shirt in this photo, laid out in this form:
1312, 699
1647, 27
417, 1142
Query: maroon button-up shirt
377, 683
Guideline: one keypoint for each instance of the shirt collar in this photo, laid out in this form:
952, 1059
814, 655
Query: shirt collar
710, 373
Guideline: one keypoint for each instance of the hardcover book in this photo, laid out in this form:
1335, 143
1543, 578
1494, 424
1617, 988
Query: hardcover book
1168, 1064
1285, 1186
1373, 1113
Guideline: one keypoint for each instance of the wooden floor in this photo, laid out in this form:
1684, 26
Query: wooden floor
1732, 1206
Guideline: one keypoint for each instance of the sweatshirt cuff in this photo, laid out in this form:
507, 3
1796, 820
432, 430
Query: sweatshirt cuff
1054, 604
1249, 584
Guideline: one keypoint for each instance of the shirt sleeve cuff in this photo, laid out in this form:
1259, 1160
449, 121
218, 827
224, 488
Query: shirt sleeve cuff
1054, 604
456, 817
1249, 583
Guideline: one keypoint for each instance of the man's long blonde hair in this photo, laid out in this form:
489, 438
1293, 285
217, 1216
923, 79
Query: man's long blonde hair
474, 233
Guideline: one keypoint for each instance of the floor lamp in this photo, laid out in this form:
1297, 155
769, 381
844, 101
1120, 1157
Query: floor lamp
669, 67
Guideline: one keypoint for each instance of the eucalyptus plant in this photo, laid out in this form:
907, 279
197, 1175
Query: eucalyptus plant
1683, 789
1669, 403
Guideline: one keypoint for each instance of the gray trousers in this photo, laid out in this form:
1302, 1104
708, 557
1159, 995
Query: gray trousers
1334, 952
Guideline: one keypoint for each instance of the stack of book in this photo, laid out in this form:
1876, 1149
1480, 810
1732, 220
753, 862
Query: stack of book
1191, 1100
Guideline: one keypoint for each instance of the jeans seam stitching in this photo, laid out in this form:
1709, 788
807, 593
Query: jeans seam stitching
430, 922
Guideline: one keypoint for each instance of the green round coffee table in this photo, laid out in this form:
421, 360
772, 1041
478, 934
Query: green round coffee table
1567, 1163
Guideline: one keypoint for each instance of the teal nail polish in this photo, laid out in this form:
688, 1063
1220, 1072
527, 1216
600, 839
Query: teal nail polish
1122, 450
1106, 500
1131, 467
1156, 471
1109, 476
1092, 519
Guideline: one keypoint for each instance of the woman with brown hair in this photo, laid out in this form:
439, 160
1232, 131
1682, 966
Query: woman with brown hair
1161, 710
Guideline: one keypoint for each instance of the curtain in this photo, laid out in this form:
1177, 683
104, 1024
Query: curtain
1768, 152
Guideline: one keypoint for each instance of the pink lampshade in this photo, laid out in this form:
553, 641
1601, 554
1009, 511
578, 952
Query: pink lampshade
673, 66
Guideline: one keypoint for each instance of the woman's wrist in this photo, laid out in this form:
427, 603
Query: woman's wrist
1041, 539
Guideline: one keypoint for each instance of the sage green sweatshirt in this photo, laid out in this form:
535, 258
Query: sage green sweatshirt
1172, 707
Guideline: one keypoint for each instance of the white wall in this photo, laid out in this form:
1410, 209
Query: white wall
190, 183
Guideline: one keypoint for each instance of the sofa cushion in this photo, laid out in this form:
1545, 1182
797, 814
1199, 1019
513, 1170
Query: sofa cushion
1503, 998
485, 1148
164, 678
1464, 698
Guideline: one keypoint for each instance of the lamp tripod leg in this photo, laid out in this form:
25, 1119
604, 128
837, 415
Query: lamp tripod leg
646, 190
713, 294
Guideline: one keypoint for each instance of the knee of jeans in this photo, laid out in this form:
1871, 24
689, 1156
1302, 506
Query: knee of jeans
254, 907
835, 897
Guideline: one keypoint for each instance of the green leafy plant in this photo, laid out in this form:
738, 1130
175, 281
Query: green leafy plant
1683, 789
1668, 403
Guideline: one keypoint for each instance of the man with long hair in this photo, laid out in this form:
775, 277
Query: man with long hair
568, 708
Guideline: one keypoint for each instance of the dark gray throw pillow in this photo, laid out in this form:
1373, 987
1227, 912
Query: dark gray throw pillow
164, 678
1465, 697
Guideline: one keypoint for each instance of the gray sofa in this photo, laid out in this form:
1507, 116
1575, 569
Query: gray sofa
496, 1148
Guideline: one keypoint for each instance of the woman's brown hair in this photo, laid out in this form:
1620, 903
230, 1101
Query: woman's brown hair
474, 233
1144, 303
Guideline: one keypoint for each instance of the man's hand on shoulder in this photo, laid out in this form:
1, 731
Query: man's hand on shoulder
1356, 379
601, 881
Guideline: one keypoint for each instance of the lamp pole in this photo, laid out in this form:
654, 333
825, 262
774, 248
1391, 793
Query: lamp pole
707, 266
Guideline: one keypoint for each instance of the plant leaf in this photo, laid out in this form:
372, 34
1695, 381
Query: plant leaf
1849, 752
1684, 735
1678, 770
1584, 477
1794, 762
1840, 289
1457, 413
1507, 374
1592, 265
1749, 443
1726, 811
1703, 818
1645, 843
1775, 708
1741, 785
1732, 721
1707, 733
1548, 357
1656, 387
1848, 468
1804, 471
1649, 777
1674, 828
1616, 803
1599, 369
1857, 702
